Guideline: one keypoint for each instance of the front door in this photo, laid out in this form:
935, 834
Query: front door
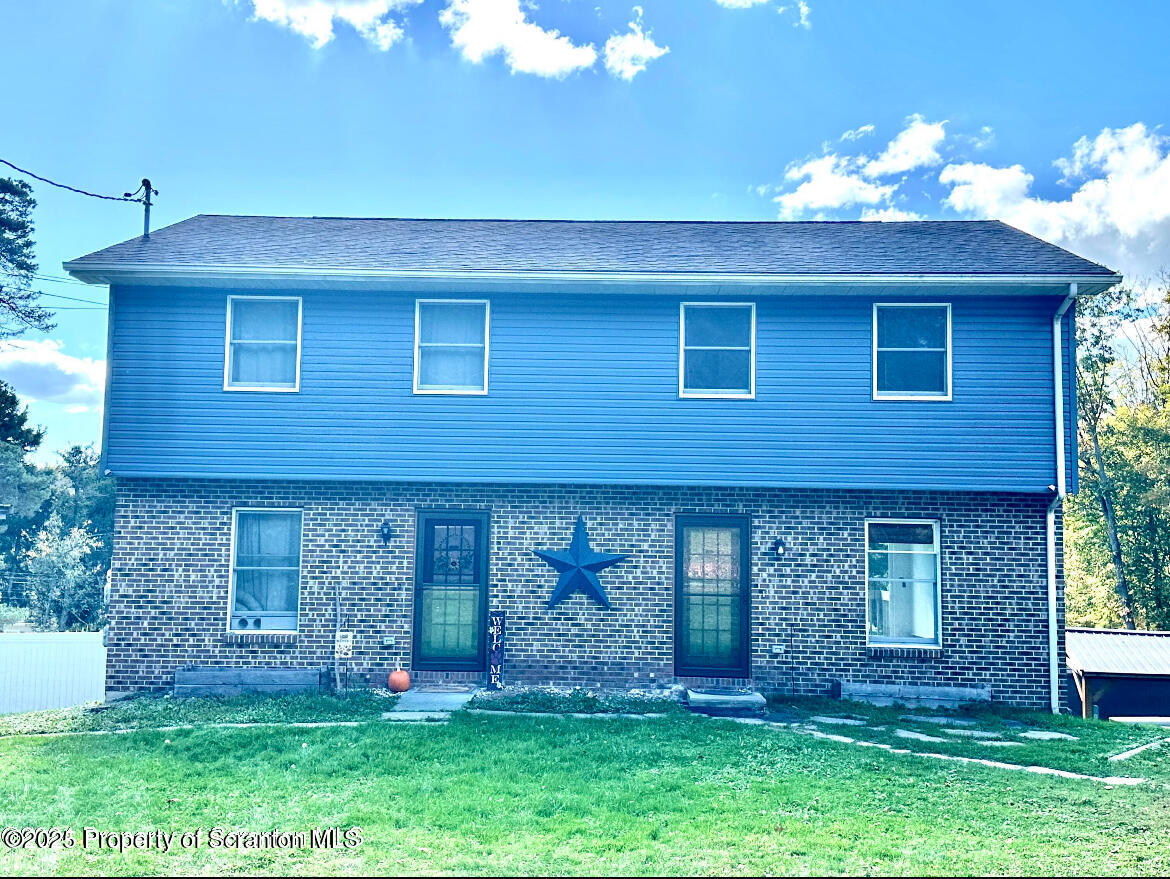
450, 591
712, 575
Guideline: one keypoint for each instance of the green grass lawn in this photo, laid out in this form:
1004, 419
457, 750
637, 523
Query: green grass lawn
533, 795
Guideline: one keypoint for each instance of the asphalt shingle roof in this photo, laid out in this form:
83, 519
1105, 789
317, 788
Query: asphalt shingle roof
1118, 652
847, 248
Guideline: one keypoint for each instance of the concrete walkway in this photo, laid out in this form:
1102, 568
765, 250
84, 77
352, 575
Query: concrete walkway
426, 704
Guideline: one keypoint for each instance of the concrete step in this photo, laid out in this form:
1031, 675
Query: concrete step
726, 703
432, 700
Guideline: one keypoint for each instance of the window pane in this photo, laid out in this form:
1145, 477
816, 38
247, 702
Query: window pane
450, 368
914, 536
450, 622
268, 539
255, 364
266, 570
903, 583
912, 372
452, 557
718, 326
452, 322
712, 597
267, 320
903, 611
717, 371
266, 591
912, 327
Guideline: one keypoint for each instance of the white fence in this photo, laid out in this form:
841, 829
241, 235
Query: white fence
50, 670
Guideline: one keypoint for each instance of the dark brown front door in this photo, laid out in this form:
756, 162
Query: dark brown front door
450, 591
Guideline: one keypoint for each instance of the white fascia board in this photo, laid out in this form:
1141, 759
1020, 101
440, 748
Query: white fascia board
96, 273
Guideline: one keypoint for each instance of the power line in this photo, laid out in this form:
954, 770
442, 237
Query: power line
64, 186
57, 279
48, 279
73, 299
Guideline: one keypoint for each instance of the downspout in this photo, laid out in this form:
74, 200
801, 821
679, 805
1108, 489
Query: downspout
103, 461
1058, 497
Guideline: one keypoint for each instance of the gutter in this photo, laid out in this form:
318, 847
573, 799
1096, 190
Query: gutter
1060, 492
119, 272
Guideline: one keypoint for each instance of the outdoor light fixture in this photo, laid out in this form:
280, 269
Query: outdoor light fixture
386, 532
779, 548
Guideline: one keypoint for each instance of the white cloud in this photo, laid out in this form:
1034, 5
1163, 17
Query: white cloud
858, 133
830, 183
888, 215
915, 146
42, 371
740, 4
480, 28
803, 12
314, 19
626, 55
1118, 215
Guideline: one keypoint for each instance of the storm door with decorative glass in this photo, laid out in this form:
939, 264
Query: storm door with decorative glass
711, 587
450, 596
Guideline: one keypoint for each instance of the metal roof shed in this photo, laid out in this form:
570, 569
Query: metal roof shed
1116, 672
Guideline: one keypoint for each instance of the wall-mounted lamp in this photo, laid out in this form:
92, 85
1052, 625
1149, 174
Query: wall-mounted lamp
779, 547
386, 532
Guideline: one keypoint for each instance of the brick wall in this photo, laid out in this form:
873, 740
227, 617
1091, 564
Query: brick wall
172, 549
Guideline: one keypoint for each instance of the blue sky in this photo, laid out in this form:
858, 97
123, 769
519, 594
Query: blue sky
1046, 115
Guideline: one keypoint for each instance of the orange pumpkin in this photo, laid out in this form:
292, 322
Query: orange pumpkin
399, 681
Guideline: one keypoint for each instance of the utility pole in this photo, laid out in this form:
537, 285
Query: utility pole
147, 191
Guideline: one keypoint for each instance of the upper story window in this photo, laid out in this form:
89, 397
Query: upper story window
902, 574
263, 344
717, 350
451, 346
911, 352
266, 570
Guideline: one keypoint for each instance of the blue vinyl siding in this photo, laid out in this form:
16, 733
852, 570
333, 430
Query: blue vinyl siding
584, 389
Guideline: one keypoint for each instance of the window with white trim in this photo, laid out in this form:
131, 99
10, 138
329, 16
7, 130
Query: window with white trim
266, 570
902, 573
911, 352
717, 350
263, 344
451, 346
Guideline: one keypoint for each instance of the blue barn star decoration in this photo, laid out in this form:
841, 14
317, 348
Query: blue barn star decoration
578, 567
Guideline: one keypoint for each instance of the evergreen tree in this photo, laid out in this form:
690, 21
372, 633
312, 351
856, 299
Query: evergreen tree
18, 300
14, 426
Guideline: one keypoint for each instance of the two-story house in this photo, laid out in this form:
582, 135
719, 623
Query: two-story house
800, 453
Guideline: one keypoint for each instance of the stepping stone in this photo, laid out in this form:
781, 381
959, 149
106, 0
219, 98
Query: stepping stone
1133, 752
917, 736
844, 721
973, 733
426, 700
1044, 735
726, 703
940, 720
416, 716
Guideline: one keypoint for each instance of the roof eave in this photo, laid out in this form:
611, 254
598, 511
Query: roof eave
143, 273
